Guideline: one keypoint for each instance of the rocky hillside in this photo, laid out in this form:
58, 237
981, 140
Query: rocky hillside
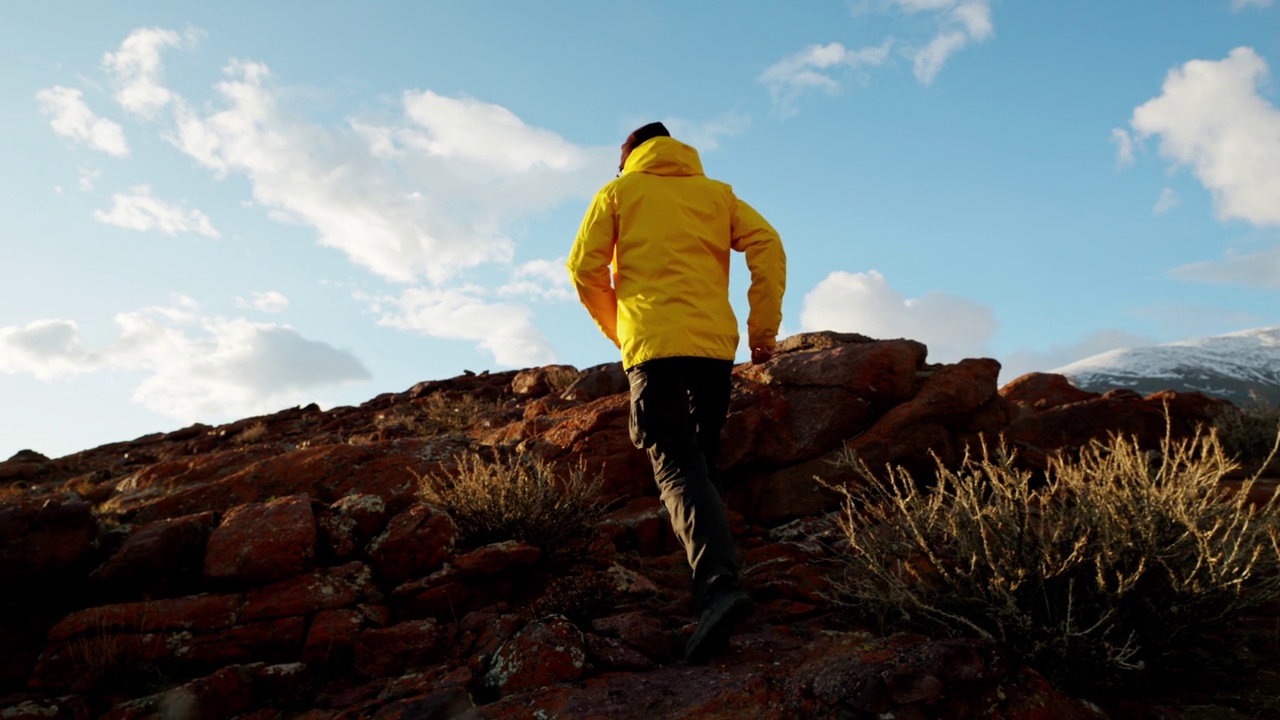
285, 566
1234, 367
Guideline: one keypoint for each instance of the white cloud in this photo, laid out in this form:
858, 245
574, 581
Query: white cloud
88, 177
960, 23
140, 210
73, 119
1020, 363
539, 280
1212, 118
136, 71
1124, 147
1258, 269
952, 327
504, 329
1238, 5
953, 25
47, 349
706, 135
1167, 201
198, 368
813, 67
427, 195
268, 302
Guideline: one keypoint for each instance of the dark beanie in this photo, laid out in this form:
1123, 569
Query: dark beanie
646, 132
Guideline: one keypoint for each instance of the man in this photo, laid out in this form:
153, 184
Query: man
667, 229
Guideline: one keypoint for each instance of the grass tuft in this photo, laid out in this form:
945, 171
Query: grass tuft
517, 498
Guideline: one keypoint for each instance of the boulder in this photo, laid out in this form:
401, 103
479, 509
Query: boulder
415, 542
261, 542
538, 382
160, 559
391, 651
597, 382
45, 540
545, 652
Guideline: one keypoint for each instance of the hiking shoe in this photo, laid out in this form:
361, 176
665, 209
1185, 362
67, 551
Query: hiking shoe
716, 625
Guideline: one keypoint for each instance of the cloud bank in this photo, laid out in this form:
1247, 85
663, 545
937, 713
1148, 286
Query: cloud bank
196, 367
954, 328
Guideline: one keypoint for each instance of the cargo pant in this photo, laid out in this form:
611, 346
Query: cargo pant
678, 407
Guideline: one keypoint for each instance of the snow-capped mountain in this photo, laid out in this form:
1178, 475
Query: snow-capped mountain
1226, 366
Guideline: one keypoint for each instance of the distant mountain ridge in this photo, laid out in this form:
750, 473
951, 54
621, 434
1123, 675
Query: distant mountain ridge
1234, 367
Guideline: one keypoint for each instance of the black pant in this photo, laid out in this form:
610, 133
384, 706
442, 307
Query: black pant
678, 407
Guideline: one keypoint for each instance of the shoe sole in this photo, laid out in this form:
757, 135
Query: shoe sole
720, 626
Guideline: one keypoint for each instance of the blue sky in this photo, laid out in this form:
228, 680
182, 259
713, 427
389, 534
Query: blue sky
218, 210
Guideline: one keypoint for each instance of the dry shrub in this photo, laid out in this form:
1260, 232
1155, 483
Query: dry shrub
1097, 574
517, 498
252, 434
1249, 432
434, 416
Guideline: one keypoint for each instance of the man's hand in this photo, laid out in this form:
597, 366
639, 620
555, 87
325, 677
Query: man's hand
760, 355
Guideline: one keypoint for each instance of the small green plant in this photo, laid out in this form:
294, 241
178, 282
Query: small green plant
1101, 571
517, 498
1249, 432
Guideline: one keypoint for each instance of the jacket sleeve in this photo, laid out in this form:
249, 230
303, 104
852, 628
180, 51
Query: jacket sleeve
767, 261
589, 264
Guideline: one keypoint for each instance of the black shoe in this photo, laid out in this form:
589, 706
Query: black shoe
716, 625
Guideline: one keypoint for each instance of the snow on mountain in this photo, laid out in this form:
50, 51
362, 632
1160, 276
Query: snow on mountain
1233, 366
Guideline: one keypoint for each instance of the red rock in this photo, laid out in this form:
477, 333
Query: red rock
158, 557
1036, 392
545, 652
497, 558
63, 708
331, 638
326, 472
271, 641
537, 382
613, 654
415, 542
907, 434
442, 704
641, 631
1076, 424
335, 537
883, 373
770, 496
393, 650
328, 589
199, 613
44, 539
597, 382
367, 512
263, 542
642, 525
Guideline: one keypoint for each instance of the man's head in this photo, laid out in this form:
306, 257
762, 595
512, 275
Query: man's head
639, 137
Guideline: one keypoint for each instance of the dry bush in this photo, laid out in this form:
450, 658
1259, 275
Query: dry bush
434, 416
1099, 573
1249, 432
517, 498
252, 434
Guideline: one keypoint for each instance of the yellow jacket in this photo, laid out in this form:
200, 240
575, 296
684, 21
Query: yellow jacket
667, 230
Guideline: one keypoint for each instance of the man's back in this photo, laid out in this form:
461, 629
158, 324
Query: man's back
668, 230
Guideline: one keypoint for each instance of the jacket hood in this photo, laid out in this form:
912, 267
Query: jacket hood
664, 156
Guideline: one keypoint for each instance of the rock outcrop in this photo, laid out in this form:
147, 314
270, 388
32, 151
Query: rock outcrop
285, 565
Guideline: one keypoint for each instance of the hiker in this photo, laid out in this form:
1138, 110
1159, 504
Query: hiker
667, 230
